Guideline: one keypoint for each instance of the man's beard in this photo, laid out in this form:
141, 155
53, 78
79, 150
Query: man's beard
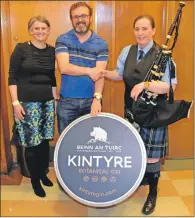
82, 31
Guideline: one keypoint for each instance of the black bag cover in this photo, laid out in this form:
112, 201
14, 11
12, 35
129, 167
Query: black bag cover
162, 114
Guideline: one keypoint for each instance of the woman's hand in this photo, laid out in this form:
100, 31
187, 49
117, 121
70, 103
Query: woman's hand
137, 89
19, 112
55, 103
95, 74
113, 75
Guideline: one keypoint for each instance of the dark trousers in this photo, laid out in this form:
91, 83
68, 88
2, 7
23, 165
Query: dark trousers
37, 159
69, 109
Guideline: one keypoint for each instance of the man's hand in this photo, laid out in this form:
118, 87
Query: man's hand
95, 74
19, 112
96, 107
137, 89
102, 73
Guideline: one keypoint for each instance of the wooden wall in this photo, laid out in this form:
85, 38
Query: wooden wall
6, 116
113, 21
181, 134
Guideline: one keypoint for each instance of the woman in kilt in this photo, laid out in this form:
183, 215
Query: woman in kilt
32, 87
132, 66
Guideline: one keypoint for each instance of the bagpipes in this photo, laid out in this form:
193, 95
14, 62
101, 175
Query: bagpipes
153, 110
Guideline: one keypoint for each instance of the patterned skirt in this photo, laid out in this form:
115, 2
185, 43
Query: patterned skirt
155, 139
38, 123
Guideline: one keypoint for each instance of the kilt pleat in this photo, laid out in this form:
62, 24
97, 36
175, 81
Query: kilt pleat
155, 139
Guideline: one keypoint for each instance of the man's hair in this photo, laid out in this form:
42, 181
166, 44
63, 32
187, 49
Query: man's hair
37, 18
150, 18
80, 4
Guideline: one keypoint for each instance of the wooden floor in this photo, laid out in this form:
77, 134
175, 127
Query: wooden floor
175, 198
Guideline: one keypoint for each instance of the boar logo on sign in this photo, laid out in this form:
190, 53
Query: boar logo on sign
99, 134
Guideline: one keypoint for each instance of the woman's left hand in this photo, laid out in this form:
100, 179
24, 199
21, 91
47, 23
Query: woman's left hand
55, 103
137, 89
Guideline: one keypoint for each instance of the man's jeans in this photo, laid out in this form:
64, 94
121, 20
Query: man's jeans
69, 109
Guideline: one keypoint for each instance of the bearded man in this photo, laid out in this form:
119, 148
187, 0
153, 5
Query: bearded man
80, 54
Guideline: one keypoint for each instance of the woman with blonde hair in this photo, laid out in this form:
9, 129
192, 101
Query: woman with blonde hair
32, 86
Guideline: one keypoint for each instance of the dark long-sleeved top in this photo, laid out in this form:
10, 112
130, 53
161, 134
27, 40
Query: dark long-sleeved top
33, 71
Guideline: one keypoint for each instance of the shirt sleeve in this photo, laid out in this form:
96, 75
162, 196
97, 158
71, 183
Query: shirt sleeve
166, 76
15, 64
103, 53
60, 45
121, 60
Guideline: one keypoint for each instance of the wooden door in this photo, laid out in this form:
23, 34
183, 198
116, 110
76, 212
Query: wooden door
181, 134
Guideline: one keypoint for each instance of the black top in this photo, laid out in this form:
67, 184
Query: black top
33, 71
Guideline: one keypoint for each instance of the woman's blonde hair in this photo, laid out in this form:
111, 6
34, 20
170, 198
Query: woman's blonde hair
37, 18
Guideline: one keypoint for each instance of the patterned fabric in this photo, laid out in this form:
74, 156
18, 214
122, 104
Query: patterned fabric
155, 139
38, 123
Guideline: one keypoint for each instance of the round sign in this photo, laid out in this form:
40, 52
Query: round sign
101, 160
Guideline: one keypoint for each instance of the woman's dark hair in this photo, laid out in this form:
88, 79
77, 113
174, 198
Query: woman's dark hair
80, 4
150, 18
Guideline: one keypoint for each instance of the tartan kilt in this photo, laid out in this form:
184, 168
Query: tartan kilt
155, 139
